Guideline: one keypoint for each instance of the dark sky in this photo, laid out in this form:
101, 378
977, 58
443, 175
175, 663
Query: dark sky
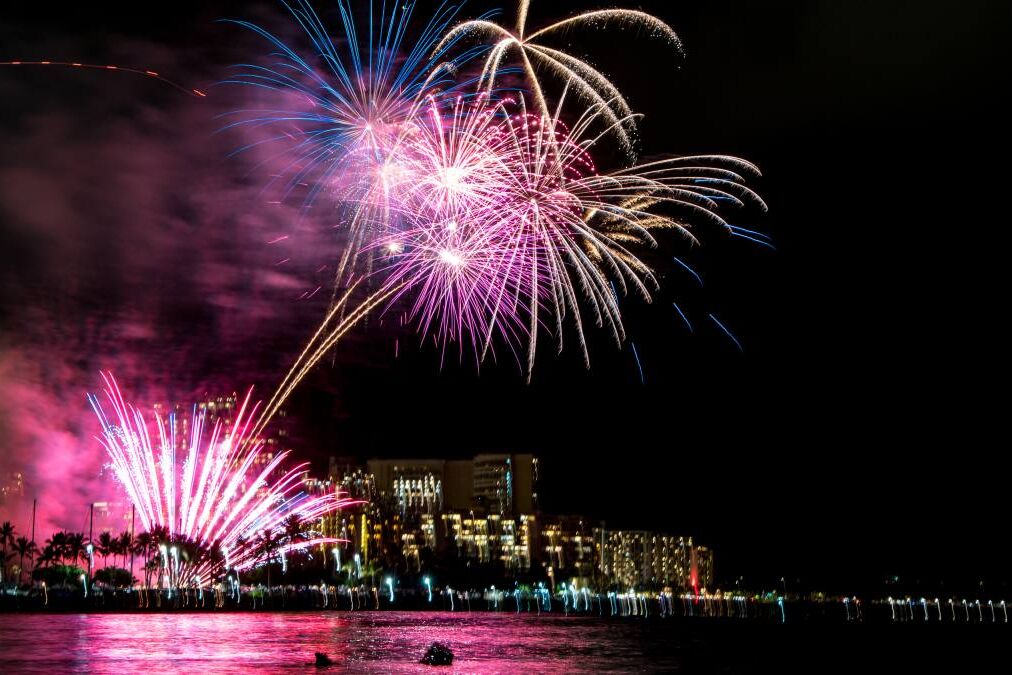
858, 433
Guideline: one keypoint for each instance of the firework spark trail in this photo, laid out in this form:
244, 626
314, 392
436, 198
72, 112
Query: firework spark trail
122, 69
311, 355
727, 332
274, 403
591, 86
218, 498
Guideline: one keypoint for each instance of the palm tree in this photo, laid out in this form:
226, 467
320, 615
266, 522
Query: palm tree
143, 543
294, 529
115, 549
150, 567
47, 556
104, 547
125, 544
160, 536
6, 534
216, 556
57, 545
24, 547
268, 544
4, 559
6, 538
76, 550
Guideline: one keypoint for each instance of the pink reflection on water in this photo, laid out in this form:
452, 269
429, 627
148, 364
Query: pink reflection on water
361, 641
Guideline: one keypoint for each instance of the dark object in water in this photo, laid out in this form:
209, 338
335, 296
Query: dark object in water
322, 659
438, 655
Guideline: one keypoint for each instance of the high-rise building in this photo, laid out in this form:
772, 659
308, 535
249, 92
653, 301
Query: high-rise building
505, 484
567, 550
701, 575
415, 537
669, 560
458, 484
484, 511
625, 560
638, 559
415, 486
491, 539
112, 516
356, 484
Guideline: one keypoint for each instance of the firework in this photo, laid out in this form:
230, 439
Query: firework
347, 107
591, 85
216, 497
111, 68
530, 231
489, 219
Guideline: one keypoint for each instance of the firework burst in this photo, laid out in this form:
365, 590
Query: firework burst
486, 210
214, 494
530, 231
348, 105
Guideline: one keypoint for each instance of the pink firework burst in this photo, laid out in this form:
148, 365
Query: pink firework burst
507, 227
214, 494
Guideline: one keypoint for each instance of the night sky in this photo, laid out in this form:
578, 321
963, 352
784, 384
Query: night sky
856, 436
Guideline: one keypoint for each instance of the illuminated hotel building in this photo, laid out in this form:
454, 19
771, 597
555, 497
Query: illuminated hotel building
624, 559
670, 560
415, 486
469, 534
418, 494
505, 484
414, 540
492, 538
701, 574
641, 559
484, 511
567, 549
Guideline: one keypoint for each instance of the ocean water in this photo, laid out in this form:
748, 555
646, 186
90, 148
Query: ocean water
393, 642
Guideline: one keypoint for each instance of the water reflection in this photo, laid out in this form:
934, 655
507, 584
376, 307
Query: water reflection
370, 642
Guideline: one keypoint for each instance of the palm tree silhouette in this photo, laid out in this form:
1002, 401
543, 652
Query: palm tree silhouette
268, 545
23, 547
143, 544
104, 547
46, 556
76, 550
124, 543
115, 549
6, 538
57, 544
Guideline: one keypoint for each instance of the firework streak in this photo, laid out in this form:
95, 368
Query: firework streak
213, 495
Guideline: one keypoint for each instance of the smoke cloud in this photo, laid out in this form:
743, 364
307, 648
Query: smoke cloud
130, 240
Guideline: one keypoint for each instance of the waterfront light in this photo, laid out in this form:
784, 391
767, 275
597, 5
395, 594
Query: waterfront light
390, 584
428, 586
